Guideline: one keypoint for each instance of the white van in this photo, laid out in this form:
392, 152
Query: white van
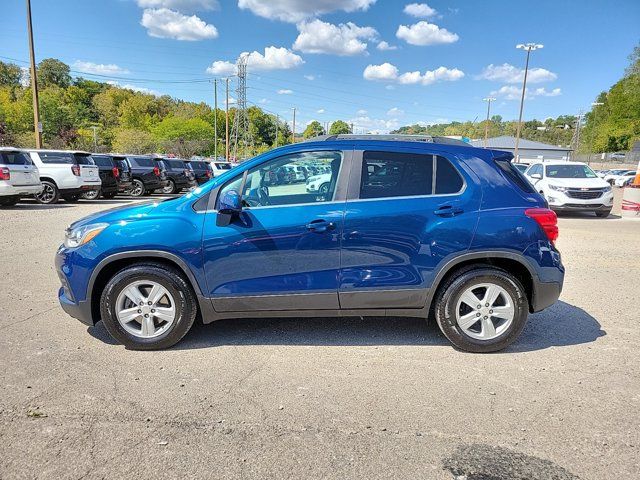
19, 177
65, 174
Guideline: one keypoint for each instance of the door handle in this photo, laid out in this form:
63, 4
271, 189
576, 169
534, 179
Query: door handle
320, 226
448, 211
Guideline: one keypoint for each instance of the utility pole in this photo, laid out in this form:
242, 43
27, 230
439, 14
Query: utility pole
486, 127
575, 141
592, 147
95, 138
215, 119
277, 122
226, 124
529, 47
34, 81
351, 127
294, 126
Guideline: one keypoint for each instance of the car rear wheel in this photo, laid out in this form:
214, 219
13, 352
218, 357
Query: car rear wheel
137, 188
482, 309
324, 189
148, 307
91, 194
49, 194
169, 188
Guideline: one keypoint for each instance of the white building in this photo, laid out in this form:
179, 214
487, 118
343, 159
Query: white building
528, 150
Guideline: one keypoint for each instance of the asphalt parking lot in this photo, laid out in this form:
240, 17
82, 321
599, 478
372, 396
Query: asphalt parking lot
322, 398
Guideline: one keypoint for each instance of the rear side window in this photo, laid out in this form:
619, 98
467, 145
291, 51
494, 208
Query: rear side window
102, 161
514, 175
56, 157
14, 158
83, 159
199, 166
142, 161
122, 164
391, 174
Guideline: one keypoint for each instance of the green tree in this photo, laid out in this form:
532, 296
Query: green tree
313, 129
10, 74
51, 71
133, 141
339, 127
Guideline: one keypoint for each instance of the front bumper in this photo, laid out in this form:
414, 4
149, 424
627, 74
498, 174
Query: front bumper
561, 202
579, 207
69, 300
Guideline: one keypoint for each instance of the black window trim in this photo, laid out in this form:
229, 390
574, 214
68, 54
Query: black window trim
353, 191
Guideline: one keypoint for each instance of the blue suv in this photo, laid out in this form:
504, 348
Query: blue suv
409, 226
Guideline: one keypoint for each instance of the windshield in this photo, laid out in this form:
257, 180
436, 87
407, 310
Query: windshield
569, 171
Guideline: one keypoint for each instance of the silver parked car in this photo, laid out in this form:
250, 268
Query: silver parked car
19, 177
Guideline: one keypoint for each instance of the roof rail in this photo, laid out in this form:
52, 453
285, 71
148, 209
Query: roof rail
391, 137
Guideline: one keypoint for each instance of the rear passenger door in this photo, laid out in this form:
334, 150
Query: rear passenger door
407, 212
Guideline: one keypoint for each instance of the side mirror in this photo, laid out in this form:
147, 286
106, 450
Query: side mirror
536, 175
230, 203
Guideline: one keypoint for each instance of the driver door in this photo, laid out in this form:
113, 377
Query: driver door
282, 251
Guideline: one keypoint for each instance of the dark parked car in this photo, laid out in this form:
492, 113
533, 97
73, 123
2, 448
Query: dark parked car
433, 228
146, 176
177, 173
201, 169
124, 178
109, 175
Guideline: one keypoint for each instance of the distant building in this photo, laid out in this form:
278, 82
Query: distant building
528, 150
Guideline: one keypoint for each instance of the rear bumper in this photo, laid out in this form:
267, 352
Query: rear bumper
545, 294
19, 190
81, 189
123, 186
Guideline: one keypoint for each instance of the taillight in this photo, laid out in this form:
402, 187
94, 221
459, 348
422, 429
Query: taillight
209, 174
116, 172
547, 219
156, 171
5, 174
76, 170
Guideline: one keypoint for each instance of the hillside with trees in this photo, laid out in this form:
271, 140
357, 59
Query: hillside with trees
124, 120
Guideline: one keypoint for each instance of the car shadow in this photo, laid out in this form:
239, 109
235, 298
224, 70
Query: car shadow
586, 216
37, 206
560, 325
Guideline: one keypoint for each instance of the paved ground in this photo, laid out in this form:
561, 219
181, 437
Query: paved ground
325, 398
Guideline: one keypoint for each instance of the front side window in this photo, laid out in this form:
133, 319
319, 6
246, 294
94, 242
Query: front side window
569, 171
276, 183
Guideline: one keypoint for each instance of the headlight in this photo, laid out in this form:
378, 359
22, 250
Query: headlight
75, 237
606, 189
558, 188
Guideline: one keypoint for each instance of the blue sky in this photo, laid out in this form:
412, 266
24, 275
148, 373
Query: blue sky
327, 57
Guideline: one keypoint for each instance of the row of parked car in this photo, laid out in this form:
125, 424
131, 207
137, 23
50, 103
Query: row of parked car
51, 175
617, 177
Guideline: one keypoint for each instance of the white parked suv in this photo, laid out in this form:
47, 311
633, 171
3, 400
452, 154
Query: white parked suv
218, 168
571, 186
65, 174
18, 176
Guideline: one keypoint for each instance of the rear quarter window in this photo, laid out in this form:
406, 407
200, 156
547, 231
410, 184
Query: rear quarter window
514, 175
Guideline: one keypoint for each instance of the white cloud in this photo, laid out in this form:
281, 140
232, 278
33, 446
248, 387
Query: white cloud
361, 112
512, 92
317, 36
181, 5
425, 33
99, 68
321, 111
222, 68
284, 91
165, 23
509, 74
295, 11
135, 88
274, 58
263, 100
310, 77
384, 46
390, 73
384, 72
420, 10
395, 112
373, 125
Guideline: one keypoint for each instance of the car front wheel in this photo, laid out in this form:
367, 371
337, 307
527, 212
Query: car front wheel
148, 307
482, 309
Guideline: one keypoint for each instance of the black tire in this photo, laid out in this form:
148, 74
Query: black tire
450, 292
71, 198
109, 195
137, 188
49, 194
602, 214
9, 201
170, 188
91, 195
324, 188
173, 281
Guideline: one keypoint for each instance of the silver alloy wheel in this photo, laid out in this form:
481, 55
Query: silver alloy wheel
137, 188
47, 194
169, 188
485, 311
91, 194
145, 309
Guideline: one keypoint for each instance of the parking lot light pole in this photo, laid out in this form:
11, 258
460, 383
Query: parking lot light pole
529, 47
486, 126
